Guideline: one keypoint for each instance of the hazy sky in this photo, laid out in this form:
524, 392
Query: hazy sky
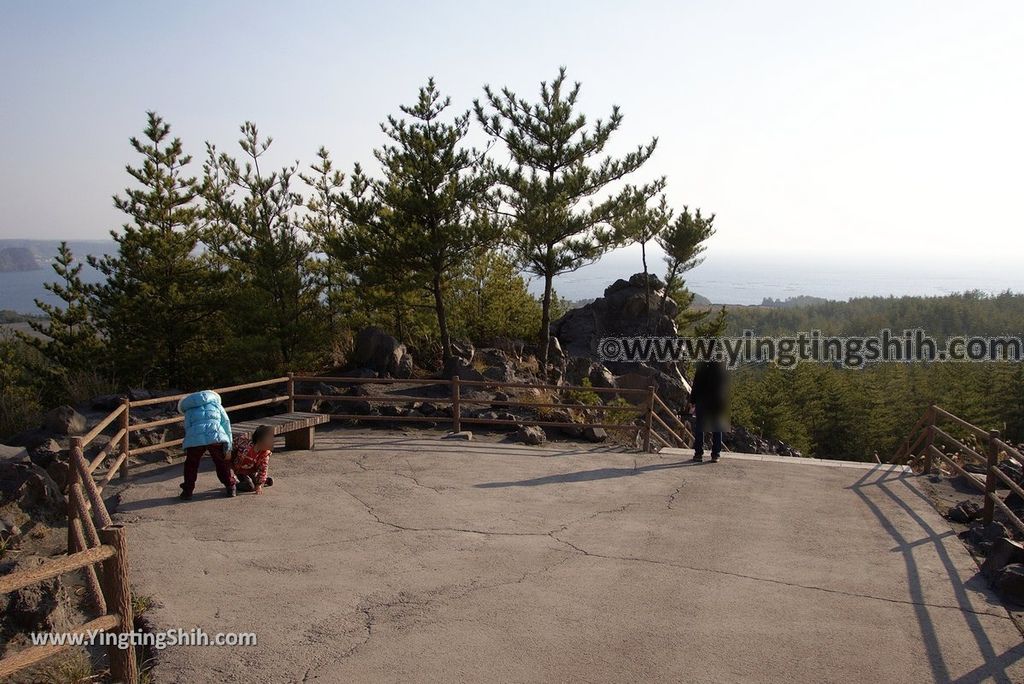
825, 128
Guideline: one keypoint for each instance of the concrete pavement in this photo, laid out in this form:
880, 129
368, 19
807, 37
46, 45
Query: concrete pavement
393, 558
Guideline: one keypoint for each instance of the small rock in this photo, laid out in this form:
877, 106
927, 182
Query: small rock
64, 420
58, 470
139, 394
464, 435
12, 454
1010, 582
531, 434
595, 434
106, 402
1006, 552
964, 512
992, 532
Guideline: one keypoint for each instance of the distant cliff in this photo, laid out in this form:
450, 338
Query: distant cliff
17, 259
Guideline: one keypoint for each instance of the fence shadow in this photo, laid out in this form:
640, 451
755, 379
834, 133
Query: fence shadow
893, 487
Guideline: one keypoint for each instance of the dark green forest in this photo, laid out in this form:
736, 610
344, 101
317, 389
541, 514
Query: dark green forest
846, 413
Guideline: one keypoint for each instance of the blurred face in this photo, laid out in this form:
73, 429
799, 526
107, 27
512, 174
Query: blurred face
266, 442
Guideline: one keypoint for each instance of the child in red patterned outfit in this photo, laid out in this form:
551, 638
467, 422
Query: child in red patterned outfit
250, 459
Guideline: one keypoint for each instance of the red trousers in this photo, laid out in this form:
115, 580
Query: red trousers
221, 461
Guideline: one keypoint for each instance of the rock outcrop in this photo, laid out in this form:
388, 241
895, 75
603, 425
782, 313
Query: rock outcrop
629, 308
380, 352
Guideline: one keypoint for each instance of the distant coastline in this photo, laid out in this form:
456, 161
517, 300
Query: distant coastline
724, 278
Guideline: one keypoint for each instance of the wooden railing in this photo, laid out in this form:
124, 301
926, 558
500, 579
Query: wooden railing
920, 447
96, 546
644, 404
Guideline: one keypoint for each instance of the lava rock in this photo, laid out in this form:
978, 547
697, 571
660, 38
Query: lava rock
1010, 583
964, 512
1006, 552
378, 351
64, 420
531, 434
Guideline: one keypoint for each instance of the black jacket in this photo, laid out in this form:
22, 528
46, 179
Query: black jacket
709, 390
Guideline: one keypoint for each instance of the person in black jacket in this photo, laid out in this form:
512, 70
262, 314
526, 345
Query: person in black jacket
709, 398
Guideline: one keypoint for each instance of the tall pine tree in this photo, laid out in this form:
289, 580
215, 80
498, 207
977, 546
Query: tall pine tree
67, 338
160, 298
555, 188
433, 204
255, 231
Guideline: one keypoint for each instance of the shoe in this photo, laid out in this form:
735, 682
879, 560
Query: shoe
229, 492
698, 458
269, 482
715, 458
185, 494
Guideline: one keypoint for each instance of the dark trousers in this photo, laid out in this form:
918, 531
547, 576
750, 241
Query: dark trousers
220, 461
699, 421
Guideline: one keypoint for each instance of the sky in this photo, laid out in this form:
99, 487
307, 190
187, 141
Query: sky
845, 131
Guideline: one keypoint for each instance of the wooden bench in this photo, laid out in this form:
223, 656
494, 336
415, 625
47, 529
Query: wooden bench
297, 428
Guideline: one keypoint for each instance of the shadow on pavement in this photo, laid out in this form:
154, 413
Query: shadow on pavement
994, 667
588, 475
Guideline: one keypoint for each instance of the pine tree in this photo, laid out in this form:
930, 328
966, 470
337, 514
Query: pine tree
640, 227
491, 300
553, 188
160, 300
255, 232
433, 204
327, 216
683, 240
68, 338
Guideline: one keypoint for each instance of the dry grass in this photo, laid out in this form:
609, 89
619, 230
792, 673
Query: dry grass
73, 667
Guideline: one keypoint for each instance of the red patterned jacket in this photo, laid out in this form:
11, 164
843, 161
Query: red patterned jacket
247, 460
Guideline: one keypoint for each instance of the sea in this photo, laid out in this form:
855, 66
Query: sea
723, 277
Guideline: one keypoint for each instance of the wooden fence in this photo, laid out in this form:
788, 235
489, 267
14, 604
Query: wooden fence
652, 416
933, 428
97, 547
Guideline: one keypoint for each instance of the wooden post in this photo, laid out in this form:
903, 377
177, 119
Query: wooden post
649, 418
929, 440
72, 479
990, 476
123, 666
456, 407
126, 422
291, 392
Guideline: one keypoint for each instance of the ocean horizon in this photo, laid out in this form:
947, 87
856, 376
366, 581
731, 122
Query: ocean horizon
724, 277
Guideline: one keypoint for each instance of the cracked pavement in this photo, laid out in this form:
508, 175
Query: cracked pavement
385, 557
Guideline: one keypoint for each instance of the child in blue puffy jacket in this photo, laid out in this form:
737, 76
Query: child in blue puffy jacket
207, 428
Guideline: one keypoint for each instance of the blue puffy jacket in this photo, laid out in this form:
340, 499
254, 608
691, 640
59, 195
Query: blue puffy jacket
206, 421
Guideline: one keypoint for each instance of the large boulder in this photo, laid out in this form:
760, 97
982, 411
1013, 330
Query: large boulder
1005, 552
1010, 583
30, 488
40, 607
64, 420
629, 308
378, 351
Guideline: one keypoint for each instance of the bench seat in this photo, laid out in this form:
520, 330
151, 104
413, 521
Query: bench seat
298, 428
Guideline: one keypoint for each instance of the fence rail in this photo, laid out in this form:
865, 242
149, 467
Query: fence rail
920, 446
96, 546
